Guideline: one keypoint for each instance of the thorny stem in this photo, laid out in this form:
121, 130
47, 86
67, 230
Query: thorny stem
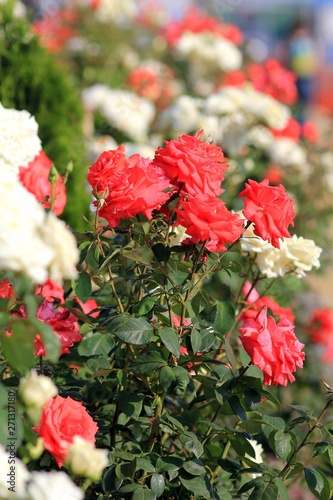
116, 296
156, 423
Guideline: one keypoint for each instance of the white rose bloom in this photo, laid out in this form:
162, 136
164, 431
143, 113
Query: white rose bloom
211, 127
94, 96
227, 100
209, 50
118, 11
266, 108
85, 460
20, 476
65, 251
288, 153
177, 234
22, 249
251, 243
36, 390
31, 242
260, 137
53, 486
19, 141
129, 113
184, 115
295, 256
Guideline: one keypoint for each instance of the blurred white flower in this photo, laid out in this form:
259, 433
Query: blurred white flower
99, 145
209, 50
85, 460
13, 476
34, 391
258, 449
251, 243
65, 252
19, 141
31, 242
183, 116
52, 486
117, 11
287, 153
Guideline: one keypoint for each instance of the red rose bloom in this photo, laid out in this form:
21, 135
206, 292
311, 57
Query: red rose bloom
270, 209
63, 419
194, 163
210, 220
310, 132
35, 179
273, 347
273, 79
131, 186
292, 130
320, 328
6, 289
257, 303
51, 290
63, 323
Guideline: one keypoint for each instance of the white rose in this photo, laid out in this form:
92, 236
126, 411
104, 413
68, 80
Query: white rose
63, 244
250, 242
288, 153
258, 449
53, 486
85, 460
295, 256
20, 472
34, 391
19, 141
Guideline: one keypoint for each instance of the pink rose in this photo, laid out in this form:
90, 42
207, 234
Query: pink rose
273, 347
63, 419
270, 209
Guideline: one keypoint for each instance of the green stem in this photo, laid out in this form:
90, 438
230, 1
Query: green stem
315, 426
156, 423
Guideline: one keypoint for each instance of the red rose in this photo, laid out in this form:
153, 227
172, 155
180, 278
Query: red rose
273, 347
109, 169
88, 306
193, 163
6, 289
259, 302
273, 79
210, 220
63, 419
310, 132
270, 209
63, 323
320, 328
137, 187
35, 178
292, 130
51, 290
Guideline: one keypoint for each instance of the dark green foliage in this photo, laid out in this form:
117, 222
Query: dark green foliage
32, 79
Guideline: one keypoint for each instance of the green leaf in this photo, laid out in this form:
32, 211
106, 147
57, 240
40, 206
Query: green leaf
143, 494
162, 253
135, 331
283, 492
230, 353
182, 380
199, 485
294, 470
282, 444
143, 463
82, 286
148, 363
50, 340
195, 340
237, 408
142, 254
96, 344
166, 464
157, 484
318, 483
252, 398
19, 349
265, 492
131, 404
225, 317
144, 306
272, 423
170, 340
207, 340
194, 467
167, 378
126, 470
320, 448
192, 443
229, 465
